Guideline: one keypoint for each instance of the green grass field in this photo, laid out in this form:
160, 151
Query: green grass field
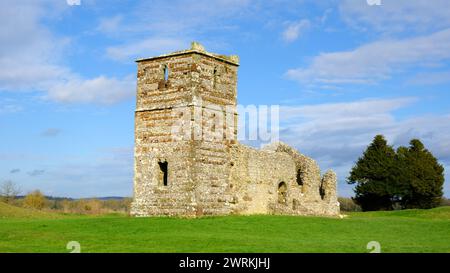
24, 230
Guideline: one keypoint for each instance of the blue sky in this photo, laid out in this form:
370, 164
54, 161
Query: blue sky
341, 71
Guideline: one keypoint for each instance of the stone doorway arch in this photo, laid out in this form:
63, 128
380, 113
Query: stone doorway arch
282, 193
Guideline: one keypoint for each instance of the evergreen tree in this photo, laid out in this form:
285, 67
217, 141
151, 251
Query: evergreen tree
375, 177
421, 176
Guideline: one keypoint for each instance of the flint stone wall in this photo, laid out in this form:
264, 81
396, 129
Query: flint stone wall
218, 175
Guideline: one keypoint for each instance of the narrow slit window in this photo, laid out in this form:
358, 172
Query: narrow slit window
213, 120
299, 178
163, 175
166, 73
214, 77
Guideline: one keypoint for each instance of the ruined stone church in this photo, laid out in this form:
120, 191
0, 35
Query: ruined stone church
193, 176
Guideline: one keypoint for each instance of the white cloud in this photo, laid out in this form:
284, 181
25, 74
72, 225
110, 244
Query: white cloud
156, 27
145, 48
29, 50
375, 61
325, 15
336, 126
294, 30
394, 16
31, 58
110, 24
336, 134
174, 18
363, 108
177, 17
106, 173
430, 78
8, 106
97, 90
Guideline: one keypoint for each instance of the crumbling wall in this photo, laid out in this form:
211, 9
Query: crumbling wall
279, 180
199, 168
255, 176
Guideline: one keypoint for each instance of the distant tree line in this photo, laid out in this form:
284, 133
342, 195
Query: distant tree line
406, 178
9, 193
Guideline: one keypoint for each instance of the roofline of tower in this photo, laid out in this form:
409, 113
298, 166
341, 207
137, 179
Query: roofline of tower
197, 49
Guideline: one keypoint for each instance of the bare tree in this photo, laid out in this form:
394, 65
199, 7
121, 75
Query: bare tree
8, 191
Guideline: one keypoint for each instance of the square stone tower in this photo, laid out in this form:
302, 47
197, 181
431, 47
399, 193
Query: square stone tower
185, 124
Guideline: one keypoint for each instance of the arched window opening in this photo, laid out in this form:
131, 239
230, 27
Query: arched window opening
282, 193
299, 178
322, 192
163, 173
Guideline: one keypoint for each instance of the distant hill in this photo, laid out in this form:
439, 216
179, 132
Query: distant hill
111, 198
53, 198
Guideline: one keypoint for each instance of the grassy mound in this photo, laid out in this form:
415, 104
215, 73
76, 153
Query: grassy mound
8, 211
